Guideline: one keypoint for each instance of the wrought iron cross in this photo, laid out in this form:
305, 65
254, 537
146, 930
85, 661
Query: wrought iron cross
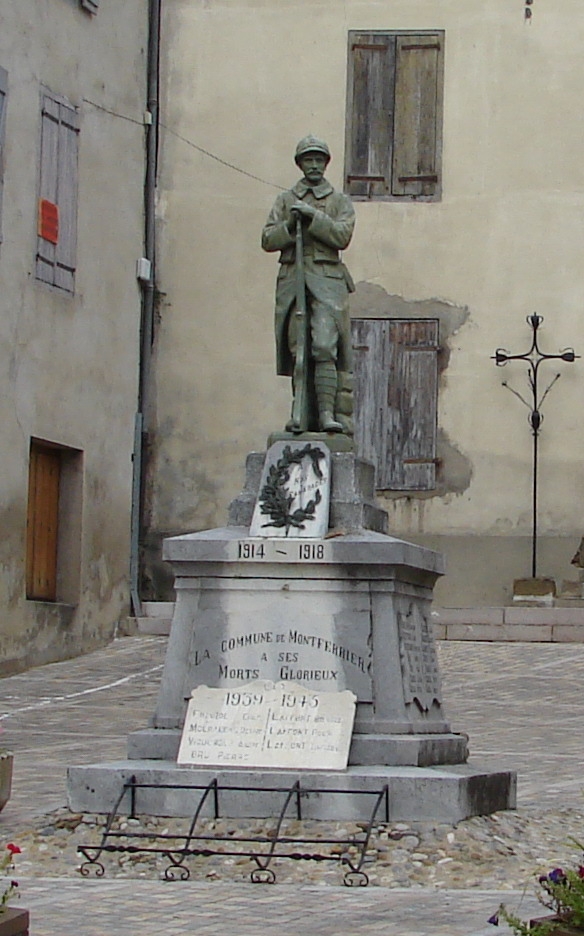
534, 358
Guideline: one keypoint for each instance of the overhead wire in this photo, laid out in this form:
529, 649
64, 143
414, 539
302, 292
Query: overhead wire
191, 143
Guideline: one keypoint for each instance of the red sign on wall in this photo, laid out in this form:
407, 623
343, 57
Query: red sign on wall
48, 221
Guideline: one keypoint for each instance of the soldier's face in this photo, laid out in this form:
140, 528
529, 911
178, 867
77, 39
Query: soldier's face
313, 166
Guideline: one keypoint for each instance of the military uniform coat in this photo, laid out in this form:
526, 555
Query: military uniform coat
328, 281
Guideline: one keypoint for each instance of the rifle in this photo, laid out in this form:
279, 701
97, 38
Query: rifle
300, 406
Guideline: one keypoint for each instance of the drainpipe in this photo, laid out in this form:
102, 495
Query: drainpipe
142, 426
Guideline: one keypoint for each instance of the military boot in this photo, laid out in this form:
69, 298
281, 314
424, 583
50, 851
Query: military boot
325, 384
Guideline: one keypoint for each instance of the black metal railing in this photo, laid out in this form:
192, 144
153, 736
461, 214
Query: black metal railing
262, 848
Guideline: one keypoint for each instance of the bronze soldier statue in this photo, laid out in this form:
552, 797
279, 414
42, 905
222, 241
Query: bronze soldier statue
309, 224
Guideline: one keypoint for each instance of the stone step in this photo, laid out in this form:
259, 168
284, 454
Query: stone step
531, 624
560, 624
563, 624
156, 618
158, 609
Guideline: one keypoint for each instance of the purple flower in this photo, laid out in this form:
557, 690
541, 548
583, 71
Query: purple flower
557, 876
494, 920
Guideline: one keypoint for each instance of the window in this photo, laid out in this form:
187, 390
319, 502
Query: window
396, 392
57, 213
3, 92
394, 115
53, 522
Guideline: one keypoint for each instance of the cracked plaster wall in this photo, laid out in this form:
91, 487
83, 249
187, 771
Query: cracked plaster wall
505, 240
370, 300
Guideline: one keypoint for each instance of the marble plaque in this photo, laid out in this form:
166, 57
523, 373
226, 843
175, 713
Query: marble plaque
294, 495
421, 675
266, 724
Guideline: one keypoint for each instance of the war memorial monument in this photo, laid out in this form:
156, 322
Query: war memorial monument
301, 648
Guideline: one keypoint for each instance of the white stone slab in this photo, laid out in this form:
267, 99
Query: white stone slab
294, 494
266, 724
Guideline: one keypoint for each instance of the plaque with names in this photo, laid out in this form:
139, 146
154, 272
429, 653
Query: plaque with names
421, 675
294, 493
267, 724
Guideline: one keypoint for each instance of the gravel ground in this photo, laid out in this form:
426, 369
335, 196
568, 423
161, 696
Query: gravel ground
504, 851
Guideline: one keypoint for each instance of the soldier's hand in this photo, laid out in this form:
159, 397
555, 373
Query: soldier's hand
307, 211
299, 209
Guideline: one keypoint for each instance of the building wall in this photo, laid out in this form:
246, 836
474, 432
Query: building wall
245, 80
69, 363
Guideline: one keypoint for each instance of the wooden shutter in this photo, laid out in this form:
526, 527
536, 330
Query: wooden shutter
418, 115
58, 185
47, 250
369, 114
371, 369
42, 523
396, 381
67, 198
3, 92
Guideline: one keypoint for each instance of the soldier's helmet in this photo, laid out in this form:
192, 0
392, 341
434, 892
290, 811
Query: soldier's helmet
311, 144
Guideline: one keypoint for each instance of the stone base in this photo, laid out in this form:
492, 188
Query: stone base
536, 592
415, 750
335, 441
418, 750
353, 505
440, 794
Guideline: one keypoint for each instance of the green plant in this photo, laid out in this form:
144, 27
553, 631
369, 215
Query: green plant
561, 892
9, 886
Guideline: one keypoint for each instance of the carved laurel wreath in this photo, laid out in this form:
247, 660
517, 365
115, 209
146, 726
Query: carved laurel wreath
275, 498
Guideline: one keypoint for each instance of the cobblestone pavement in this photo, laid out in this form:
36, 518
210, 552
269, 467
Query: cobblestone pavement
150, 908
521, 704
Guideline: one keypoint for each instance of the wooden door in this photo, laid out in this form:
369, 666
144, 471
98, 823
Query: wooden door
43, 523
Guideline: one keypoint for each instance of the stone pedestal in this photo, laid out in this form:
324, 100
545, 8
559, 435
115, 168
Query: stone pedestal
349, 611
